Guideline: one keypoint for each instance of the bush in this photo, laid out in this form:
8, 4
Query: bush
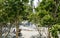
54, 29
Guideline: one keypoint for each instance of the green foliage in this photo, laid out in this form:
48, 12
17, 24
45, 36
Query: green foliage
52, 17
34, 18
47, 5
13, 10
49, 14
42, 13
54, 30
26, 1
47, 20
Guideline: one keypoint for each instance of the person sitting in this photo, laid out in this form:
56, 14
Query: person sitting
19, 32
14, 31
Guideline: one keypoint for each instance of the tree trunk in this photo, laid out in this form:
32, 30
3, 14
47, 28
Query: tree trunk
17, 28
38, 30
55, 9
9, 30
49, 33
0, 31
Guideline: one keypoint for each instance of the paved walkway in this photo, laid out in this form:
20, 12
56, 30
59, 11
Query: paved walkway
29, 34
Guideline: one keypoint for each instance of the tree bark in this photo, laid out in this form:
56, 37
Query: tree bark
38, 30
9, 30
17, 28
55, 8
0, 31
49, 33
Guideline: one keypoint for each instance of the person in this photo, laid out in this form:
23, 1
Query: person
14, 31
19, 32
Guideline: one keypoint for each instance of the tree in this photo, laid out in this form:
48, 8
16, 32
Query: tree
13, 11
3, 18
54, 30
52, 7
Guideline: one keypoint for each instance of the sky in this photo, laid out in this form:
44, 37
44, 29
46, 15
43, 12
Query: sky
36, 3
